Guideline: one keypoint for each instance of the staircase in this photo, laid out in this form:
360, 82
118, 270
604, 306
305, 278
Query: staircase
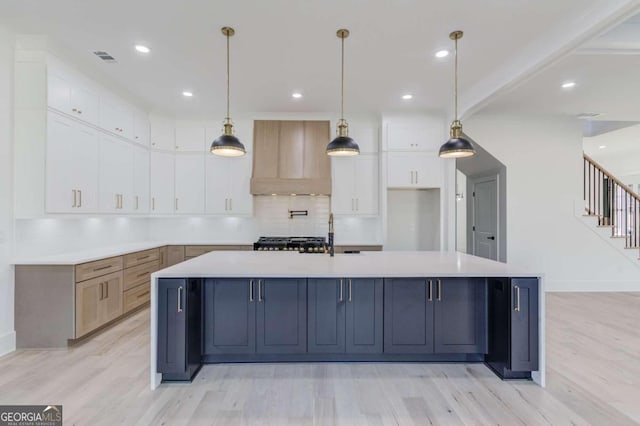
615, 208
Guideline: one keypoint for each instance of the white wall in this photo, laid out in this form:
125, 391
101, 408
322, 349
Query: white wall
7, 333
543, 156
461, 212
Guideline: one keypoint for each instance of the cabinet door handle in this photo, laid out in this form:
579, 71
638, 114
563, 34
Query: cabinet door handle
79, 198
117, 201
439, 290
176, 204
230, 204
517, 308
259, 290
75, 193
137, 202
101, 291
180, 299
417, 177
430, 291
153, 203
350, 289
341, 299
357, 204
250, 290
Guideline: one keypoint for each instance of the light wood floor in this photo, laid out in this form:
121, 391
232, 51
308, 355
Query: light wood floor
593, 378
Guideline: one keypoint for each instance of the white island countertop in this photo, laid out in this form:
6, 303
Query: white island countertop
260, 264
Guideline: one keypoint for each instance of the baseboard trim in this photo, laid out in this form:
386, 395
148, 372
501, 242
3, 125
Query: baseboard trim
7, 343
591, 286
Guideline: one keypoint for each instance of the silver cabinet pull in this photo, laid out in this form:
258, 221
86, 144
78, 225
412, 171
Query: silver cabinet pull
176, 204
250, 290
231, 204
117, 201
350, 289
341, 294
357, 204
417, 177
79, 198
517, 309
259, 290
137, 202
153, 203
75, 193
180, 299
439, 290
352, 205
430, 291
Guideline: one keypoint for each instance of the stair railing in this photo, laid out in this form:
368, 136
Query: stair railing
612, 202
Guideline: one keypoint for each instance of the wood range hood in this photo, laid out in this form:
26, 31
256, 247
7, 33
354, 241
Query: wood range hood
289, 158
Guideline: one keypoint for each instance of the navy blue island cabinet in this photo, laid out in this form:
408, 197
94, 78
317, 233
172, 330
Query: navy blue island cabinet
435, 316
345, 316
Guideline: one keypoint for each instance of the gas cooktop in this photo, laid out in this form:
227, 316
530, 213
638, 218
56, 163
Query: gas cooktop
300, 244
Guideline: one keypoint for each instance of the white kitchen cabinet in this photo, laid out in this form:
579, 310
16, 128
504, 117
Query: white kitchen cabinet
161, 182
428, 135
189, 184
69, 94
162, 133
71, 166
140, 180
116, 117
414, 170
141, 128
228, 186
190, 139
355, 185
366, 136
116, 176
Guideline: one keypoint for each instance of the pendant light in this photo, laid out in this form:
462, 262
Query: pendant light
227, 145
342, 145
457, 146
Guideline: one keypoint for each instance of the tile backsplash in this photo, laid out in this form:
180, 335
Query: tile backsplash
272, 215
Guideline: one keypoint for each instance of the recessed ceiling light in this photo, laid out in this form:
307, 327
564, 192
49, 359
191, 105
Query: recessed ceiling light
442, 54
142, 49
569, 85
602, 147
296, 95
187, 94
407, 96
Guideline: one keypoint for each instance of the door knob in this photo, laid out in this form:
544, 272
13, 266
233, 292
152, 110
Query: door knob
491, 238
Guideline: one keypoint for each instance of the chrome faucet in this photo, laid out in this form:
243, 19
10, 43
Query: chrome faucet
331, 250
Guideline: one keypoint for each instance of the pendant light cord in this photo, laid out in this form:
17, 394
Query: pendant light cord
342, 84
227, 76
455, 86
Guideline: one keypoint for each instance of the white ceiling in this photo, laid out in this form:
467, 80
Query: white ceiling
605, 71
283, 46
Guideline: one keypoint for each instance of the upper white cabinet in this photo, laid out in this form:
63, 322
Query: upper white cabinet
140, 128
355, 185
161, 182
366, 136
163, 134
416, 134
414, 170
190, 182
190, 139
116, 176
69, 94
228, 186
72, 166
116, 116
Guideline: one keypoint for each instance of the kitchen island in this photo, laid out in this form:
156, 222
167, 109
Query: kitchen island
374, 306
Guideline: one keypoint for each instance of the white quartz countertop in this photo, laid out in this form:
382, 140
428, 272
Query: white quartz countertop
258, 264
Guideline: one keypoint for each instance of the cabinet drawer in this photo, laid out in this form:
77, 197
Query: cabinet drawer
138, 275
136, 296
194, 251
86, 271
140, 257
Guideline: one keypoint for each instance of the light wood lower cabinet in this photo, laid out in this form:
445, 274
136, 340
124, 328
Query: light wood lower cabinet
98, 301
175, 254
137, 296
163, 253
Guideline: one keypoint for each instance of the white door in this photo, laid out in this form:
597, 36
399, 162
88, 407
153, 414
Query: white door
218, 188
241, 200
190, 139
485, 218
190, 179
366, 184
400, 171
342, 185
162, 182
428, 168
140, 180
62, 195
86, 150
141, 128
84, 104
116, 176
162, 133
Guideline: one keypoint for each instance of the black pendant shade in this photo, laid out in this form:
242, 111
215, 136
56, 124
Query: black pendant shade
343, 146
457, 148
227, 146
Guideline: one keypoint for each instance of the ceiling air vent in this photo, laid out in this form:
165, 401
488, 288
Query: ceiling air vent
105, 56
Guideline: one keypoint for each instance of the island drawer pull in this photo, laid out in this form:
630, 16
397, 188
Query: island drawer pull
341, 294
180, 299
517, 309
250, 290
439, 290
430, 291
259, 290
350, 289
